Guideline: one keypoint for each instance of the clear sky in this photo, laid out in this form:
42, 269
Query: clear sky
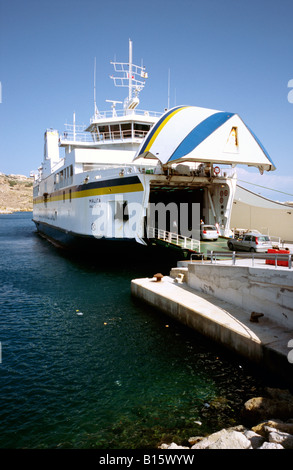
227, 55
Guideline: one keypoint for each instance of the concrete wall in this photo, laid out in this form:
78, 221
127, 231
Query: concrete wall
202, 316
263, 290
264, 343
251, 211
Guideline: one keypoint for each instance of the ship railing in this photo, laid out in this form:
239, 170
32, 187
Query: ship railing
271, 259
124, 168
71, 136
174, 239
121, 135
121, 112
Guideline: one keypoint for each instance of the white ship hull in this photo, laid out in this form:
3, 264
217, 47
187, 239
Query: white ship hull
113, 203
77, 209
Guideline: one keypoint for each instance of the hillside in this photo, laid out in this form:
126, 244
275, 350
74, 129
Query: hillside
16, 193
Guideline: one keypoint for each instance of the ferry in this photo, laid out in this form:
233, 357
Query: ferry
115, 175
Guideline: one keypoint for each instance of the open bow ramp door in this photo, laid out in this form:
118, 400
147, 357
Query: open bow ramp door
189, 133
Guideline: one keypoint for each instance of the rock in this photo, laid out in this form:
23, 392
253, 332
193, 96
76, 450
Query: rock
261, 428
271, 445
163, 446
255, 439
239, 437
175, 446
270, 433
260, 408
284, 427
279, 437
224, 440
238, 427
172, 446
194, 440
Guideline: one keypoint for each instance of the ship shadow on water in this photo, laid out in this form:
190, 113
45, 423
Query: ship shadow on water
145, 260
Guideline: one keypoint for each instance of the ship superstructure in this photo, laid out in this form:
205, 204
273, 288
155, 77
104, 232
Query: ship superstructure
128, 162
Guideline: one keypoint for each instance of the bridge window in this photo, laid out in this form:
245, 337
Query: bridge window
126, 130
104, 132
115, 131
141, 130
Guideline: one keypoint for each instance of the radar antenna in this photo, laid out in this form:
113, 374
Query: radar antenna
130, 76
114, 114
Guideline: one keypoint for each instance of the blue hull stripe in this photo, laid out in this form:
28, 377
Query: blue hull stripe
200, 133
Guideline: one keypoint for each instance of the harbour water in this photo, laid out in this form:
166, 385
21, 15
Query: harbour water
84, 365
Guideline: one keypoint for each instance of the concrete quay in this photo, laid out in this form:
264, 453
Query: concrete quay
217, 300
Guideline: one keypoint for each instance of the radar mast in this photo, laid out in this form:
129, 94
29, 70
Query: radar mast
130, 76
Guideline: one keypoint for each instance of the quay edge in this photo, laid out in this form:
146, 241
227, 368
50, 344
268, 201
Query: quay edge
264, 343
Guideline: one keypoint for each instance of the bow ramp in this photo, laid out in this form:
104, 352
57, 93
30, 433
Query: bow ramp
189, 133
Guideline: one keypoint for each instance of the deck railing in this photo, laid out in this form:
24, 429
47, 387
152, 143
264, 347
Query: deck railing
276, 259
70, 136
121, 112
174, 238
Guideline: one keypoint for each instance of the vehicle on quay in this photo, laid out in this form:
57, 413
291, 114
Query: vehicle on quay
209, 232
251, 241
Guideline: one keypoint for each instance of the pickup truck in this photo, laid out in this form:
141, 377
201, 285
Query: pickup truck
250, 242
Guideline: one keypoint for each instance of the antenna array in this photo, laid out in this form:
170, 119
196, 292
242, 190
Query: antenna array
130, 76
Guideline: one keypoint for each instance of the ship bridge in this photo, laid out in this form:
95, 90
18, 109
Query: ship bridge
194, 134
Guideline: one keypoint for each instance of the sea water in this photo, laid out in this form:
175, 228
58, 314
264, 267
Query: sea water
84, 365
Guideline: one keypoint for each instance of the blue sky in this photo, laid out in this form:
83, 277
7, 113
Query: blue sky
228, 55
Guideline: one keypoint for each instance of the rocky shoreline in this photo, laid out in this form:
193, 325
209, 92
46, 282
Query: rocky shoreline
16, 193
268, 424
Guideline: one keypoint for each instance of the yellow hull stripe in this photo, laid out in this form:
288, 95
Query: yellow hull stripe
128, 188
